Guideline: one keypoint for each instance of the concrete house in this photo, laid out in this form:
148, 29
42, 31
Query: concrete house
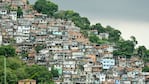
103, 35
107, 63
88, 68
122, 62
133, 72
27, 81
3, 11
102, 77
13, 15
69, 69
42, 57
55, 45
23, 33
77, 54
97, 68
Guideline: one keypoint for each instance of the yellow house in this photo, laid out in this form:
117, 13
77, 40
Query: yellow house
27, 81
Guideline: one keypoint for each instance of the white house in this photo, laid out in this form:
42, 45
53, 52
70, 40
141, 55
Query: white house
132, 73
42, 57
13, 15
110, 48
102, 77
88, 67
77, 54
103, 35
19, 39
107, 63
23, 33
3, 11
69, 66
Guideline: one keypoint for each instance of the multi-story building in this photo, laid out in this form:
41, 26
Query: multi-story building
107, 63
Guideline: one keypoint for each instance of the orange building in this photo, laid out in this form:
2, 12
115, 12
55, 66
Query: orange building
27, 81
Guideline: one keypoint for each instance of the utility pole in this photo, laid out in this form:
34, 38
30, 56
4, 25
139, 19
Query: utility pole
5, 70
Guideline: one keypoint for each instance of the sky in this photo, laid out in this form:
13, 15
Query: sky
131, 17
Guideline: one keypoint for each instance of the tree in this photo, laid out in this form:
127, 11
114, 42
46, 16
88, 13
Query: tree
39, 47
85, 33
93, 38
7, 51
98, 27
79, 21
19, 12
8, 7
141, 51
14, 63
124, 48
147, 53
27, 2
54, 72
45, 7
12, 73
114, 35
133, 38
39, 73
17, 70
145, 69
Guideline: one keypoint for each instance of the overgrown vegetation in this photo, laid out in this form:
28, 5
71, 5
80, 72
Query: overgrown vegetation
145, 69
19, 12
8, 51
45, 7
17, 70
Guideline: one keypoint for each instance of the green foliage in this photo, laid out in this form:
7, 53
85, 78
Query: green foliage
7, 51
146, 59
45, 7
19, 12
124, 48
8, 7
141, 51
13, 64
67, 15
98, 27
79, 21
81, 67
145, 69
17, 70
11, 77
114, 35
39, 47
27, 2
147, 53
54, 72
133, 38
24, 54
93, 38
85, 33
39, 73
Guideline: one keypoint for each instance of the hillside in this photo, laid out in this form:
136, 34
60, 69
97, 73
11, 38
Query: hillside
40, 42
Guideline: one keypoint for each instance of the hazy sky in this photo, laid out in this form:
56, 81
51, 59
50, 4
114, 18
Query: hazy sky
131, 17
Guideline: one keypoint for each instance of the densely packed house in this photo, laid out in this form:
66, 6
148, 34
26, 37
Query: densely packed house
63, 46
